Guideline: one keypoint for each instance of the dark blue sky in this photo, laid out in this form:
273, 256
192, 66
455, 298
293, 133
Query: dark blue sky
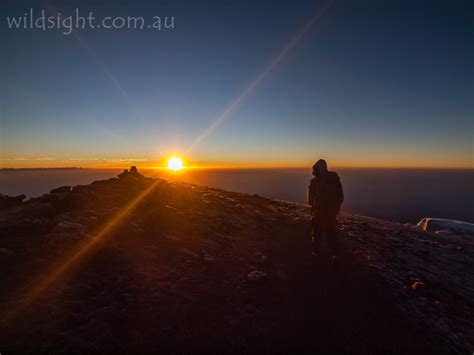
385, 83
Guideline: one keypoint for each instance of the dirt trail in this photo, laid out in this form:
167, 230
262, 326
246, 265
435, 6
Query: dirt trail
347, 308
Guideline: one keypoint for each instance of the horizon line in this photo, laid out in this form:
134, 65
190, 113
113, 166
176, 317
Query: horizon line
233, 167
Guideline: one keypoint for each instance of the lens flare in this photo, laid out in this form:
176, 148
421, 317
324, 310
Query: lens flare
175, 164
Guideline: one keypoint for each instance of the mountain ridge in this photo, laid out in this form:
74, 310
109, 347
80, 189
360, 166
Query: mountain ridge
193, 268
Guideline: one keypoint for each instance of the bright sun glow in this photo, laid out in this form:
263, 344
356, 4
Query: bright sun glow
175, 163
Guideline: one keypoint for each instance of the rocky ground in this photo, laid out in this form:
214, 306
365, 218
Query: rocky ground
133, 264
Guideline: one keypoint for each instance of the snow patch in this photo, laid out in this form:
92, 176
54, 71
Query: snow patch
442, 224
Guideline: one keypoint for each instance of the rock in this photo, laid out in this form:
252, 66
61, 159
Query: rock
87, 220
134, 227
69, 227
172, 237
220, 236
418, 286
256, 276
444, 232
114, 211
10, 201
124, 173
133, 174
43, 210
260, 257
89, 213
6, 252
80, 188
29, 225
208, 258
190, 253
61, 190
63, 201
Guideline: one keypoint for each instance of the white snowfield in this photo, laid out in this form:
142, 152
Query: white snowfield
442, 224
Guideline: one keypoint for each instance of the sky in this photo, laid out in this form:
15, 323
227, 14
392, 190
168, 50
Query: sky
240, 83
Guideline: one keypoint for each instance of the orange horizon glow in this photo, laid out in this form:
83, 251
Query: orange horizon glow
190, 164
347, 159
268, 160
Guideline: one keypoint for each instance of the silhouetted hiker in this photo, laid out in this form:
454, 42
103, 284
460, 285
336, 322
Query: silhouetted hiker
325, 196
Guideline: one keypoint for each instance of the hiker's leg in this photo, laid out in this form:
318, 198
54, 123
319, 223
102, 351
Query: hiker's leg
316, 236
331, 236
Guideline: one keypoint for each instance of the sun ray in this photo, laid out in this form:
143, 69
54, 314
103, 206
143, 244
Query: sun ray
260, 77
44, 282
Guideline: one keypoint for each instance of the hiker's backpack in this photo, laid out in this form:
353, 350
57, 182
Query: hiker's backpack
332, 192
327, 193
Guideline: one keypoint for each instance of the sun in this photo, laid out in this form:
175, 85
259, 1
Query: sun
175, 163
